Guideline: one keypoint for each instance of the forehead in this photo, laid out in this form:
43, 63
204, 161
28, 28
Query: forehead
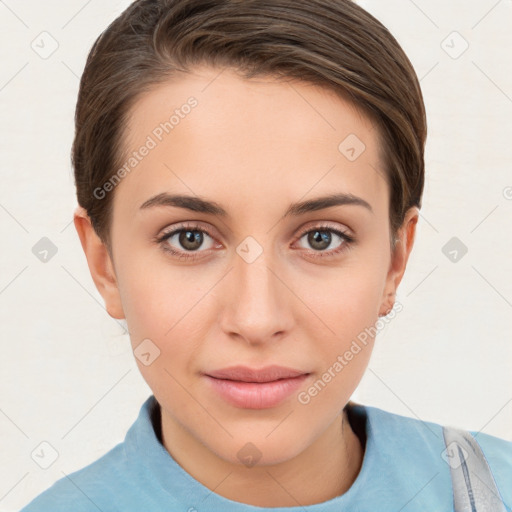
216, 134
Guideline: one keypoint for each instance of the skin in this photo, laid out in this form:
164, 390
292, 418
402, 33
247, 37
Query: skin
254, 147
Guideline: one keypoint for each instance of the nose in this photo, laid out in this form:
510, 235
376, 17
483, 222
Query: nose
258, 302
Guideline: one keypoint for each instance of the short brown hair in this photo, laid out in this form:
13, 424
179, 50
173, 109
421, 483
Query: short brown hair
332, 43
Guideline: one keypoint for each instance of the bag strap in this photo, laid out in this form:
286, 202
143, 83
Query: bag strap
474, 488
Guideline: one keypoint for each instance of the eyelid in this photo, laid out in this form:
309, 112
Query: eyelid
319, 225
193, 225
197, 226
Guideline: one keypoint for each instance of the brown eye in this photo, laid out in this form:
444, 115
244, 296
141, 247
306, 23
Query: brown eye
184, 241
190, 240
325, 241
319, 240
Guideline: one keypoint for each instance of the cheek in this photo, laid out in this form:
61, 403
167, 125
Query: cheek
171, 306
347, 298
344, 351
163, 319
150, 304
156, 295
347, 302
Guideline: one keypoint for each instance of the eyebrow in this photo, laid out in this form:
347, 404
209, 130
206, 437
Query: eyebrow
196, 204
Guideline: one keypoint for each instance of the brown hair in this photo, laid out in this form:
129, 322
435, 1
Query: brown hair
332, 43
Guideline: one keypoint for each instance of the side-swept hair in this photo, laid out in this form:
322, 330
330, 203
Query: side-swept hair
332, 43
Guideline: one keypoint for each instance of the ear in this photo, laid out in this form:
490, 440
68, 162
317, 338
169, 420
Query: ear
399, 258
100, 263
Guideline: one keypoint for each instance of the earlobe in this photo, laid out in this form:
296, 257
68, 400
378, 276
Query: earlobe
100, 264
399, 257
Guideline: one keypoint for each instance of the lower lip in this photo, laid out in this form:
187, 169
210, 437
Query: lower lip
254, 395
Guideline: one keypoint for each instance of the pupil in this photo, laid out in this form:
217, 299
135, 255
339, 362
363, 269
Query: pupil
319, 239
191, 240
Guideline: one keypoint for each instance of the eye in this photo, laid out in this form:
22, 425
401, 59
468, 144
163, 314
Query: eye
186, 241
324, 237
183, 240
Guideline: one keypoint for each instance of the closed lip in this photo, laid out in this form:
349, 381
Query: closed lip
247, 374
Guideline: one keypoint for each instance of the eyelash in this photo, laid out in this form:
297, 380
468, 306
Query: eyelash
347, 241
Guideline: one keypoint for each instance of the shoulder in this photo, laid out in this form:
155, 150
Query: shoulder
84, 488
495, 449
423, 442
118, 480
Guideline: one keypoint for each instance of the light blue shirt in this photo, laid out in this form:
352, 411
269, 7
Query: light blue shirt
403, 470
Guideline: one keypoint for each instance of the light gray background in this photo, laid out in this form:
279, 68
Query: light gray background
67, 374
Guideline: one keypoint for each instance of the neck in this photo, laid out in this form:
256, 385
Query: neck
325, 469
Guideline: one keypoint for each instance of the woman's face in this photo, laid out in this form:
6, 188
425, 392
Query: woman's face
260, 274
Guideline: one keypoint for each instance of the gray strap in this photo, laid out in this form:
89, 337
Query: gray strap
474, 488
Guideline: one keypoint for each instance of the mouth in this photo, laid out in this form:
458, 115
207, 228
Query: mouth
251, 388
247, 374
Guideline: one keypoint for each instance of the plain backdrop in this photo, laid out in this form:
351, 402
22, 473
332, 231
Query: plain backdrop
68, 378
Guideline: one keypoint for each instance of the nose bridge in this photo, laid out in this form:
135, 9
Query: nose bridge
254, 276
258, 306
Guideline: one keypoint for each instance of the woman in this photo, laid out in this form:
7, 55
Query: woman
249, 175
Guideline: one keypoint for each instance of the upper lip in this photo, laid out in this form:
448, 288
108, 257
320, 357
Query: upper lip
247, 374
